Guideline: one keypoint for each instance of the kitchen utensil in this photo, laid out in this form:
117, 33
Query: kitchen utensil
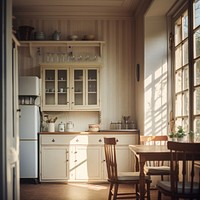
61, 127
56, 35
73, 37
69, 126
25, 32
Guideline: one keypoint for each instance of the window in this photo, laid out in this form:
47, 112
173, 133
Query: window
186, 53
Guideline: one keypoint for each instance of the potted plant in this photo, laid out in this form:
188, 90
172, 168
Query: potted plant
191, 136
180, 134
172, 136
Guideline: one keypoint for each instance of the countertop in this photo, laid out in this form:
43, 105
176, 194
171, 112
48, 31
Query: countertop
121, 131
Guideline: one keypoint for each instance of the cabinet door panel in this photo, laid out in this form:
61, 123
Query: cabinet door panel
54, 162
88, 164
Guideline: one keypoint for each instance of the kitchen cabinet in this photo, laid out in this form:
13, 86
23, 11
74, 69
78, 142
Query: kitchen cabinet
70, 87
85, 89
85, 162
75, 157
55, 88
55, 163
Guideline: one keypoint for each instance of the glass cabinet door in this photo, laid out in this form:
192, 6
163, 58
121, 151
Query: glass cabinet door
85, 89
56, 89
92, 87
50, 87
78, 87
62, 87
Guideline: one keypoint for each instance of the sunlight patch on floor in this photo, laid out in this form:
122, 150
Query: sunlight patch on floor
89, 186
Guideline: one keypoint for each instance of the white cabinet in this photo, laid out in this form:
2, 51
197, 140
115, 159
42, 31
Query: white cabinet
85, 89
80, 157
54, 163
85, 162
55, 88
70, 87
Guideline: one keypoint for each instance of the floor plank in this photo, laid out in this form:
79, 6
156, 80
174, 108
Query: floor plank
69, 191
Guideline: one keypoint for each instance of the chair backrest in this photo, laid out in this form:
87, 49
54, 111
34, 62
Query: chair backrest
154, 140
183, 157
110, 156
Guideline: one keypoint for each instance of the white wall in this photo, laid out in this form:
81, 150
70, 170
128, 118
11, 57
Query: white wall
155, 76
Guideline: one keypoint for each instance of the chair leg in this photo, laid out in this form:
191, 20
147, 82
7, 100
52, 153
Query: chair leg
148, 191
115, 191
137, 191
159, 195
110, 191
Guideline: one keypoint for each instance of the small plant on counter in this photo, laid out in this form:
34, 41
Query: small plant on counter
180, 133
172, 135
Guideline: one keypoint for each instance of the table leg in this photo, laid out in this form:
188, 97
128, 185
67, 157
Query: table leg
142, 179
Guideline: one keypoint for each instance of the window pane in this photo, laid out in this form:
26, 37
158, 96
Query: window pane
178, 37
197, 73
185, 53
196, 10
178, 108
197, 101
185, 25
197, 128
178, 58
197, 43
185, 104
185, 78
182, 122
178, 81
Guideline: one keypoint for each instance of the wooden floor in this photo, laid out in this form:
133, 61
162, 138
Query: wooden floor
69, 191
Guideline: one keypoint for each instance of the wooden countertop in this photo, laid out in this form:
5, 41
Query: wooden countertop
127, 131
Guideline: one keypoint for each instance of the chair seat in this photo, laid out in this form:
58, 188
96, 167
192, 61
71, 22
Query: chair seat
166, 185
165, 170
131, 176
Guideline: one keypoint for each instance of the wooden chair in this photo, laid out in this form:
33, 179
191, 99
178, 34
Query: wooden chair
155, 168
184, 183
116, 178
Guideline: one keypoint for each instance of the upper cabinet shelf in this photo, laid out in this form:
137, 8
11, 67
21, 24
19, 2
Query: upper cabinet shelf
62, 43
59, 43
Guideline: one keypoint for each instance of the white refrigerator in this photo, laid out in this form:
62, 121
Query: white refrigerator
29, 126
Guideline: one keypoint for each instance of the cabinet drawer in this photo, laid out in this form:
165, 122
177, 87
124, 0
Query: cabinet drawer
57, 139
124, 139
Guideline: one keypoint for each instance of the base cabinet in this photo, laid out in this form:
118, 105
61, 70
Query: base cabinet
65, 157
85, 163
54, 163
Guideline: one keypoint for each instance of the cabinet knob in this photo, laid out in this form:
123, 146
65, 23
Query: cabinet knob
117, 140
53, 140
75, 161
100, 140
72, 88
77, 140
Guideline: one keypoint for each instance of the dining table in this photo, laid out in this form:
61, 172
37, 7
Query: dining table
148, 153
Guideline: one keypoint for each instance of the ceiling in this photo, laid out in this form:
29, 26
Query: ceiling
120, 8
